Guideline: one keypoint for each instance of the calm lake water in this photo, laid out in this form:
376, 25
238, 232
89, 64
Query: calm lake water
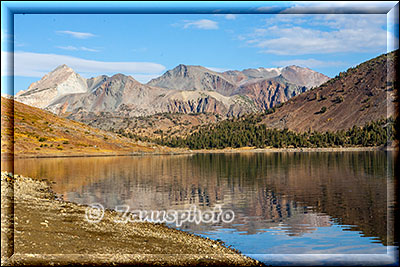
284, 203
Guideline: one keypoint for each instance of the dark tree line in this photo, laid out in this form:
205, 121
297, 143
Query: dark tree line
246, 131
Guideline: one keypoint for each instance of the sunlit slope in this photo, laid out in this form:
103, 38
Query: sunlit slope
38, 132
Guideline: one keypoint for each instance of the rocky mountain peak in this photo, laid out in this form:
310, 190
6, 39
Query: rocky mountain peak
303, 76
61, 81
193, 78
181, 66
185, 70
120, 76
261, 72
61, 68
180, 69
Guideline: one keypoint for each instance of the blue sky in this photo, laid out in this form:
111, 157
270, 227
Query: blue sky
146, 45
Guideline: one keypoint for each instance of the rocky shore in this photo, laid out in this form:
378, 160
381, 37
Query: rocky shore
49, 231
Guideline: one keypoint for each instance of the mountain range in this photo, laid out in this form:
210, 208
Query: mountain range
184, 89
186, 97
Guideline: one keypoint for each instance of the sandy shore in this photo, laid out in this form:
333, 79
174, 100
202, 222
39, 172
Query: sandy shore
48, 231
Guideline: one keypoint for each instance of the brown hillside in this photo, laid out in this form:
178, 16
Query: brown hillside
154, 126
38, 132
359, 95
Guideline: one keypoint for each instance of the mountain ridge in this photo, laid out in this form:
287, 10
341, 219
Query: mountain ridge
185, 88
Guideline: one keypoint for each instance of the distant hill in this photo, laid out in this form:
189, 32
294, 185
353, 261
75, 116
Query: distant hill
39, 132
361, 94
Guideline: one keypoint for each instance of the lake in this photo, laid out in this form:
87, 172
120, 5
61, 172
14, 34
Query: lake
286, 205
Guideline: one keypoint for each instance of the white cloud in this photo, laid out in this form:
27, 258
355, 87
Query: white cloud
204, 24
30, 64
230, 16
89, 49
310, 63
74, 48
69, 48
216, 69
320, 34
79, 35
226, 16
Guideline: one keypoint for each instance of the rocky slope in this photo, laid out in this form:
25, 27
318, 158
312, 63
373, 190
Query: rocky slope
119, 93
270, 92
359, 95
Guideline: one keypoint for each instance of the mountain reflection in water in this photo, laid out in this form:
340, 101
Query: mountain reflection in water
287, 193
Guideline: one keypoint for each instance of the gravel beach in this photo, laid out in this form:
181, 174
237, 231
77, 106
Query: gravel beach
49, 231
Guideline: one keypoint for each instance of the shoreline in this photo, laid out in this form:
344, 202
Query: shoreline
204, 151
280, 150
50, 231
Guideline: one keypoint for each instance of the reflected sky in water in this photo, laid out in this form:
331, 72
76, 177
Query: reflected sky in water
284, 203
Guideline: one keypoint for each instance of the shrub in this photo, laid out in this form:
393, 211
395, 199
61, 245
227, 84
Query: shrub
365, 100
338, 99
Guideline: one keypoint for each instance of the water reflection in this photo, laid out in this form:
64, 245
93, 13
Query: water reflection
290, 193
